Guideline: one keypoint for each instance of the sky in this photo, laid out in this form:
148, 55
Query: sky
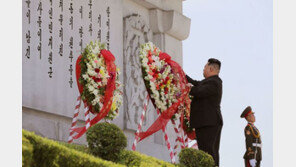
239, 33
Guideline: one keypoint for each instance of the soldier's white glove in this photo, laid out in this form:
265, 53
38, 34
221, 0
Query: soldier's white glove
253, 162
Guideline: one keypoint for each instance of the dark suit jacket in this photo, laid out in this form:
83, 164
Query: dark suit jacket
205, 106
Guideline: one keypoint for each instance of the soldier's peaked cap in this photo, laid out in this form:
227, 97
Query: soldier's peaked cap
246, 111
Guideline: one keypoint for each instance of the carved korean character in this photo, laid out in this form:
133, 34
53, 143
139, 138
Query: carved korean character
61, 49
50, 57
99, 35
90, 29
90, 4
71, 55
61, 5
61, 19
108, 11
71, 22
50, 27
71, 42
50, 42
71, 8
28, 2
50, 72
28, 15
28, 51
80, 44
61, 33
90, 15
40, 8
81, 11
39, 21
108, 23
28, 36
71, 82
99, 21
81, 31
70, 69
39, 33
50, 13
39, 48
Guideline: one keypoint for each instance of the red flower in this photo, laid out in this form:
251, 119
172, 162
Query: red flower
154, 50
166, 90
150, 59
98, 79
157, 87
97, 70
149, 53
151, 73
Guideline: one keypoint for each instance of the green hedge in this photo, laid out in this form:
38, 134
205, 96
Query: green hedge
81, 148
190, 157
48, 153
42, 152
27, 152
130, 158
136, 159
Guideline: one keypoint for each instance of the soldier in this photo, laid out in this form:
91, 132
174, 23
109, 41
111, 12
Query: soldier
253, 155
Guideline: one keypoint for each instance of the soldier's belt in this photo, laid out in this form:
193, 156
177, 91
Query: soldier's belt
257, 145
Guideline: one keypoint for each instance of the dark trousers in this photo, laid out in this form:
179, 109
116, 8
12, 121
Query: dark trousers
208, 140
247, 163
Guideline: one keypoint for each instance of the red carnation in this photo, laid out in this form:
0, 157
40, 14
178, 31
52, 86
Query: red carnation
98, 79
166, 90
97, 70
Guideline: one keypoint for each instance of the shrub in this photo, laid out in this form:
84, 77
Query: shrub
77, 147
129, 158
27, 152
48, 153
106, 140
190, 157
136, 159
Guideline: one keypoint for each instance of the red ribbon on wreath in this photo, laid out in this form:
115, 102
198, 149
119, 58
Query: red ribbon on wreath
166, 115
110, 87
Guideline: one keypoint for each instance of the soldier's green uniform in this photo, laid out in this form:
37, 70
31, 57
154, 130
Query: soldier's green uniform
253, 142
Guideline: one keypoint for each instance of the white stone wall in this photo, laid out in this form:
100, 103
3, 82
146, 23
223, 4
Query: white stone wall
48, 103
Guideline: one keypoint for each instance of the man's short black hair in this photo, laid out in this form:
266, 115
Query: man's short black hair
213, 61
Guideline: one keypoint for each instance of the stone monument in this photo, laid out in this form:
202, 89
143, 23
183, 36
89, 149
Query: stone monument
54, 34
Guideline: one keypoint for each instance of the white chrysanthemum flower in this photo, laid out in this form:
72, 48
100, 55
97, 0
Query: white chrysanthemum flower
84, 76
90, 88
95, 91
105, 81
91, 72
89, 66
96, 50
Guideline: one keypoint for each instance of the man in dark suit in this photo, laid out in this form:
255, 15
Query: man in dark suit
205, 114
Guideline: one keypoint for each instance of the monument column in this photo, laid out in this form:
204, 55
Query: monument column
162, 22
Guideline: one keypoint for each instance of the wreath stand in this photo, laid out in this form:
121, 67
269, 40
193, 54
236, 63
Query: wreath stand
182, 139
